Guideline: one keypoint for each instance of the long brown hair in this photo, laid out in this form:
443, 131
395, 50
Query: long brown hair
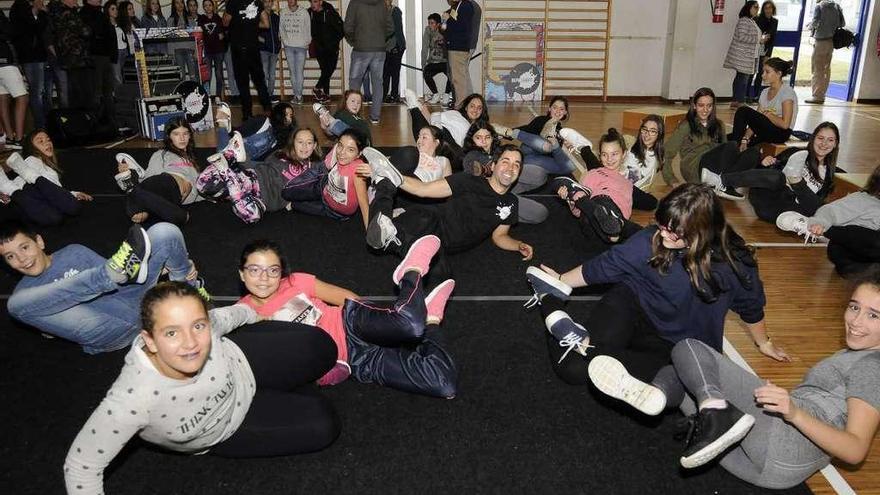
30, 150
694, 213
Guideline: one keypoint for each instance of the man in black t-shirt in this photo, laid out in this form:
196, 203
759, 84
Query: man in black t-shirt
477, 208
243, 18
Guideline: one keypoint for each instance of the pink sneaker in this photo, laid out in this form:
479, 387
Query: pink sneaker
338, 374
436, 300
418, 257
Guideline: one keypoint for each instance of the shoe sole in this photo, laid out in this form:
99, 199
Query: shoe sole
377, 156
610, 224
431, 295
374, 233
568, 183
143, 272
399, 271
132, 163
545, 277
724, 195
611, 377
736, 433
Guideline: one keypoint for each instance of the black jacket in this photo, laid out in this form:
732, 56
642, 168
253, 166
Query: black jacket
28, 32
326, 29
103, 35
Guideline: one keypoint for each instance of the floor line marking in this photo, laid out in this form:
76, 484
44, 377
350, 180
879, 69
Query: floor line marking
837, 482
787, 244
510, 298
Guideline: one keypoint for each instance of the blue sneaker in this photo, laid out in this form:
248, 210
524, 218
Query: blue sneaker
569, 334
543, 284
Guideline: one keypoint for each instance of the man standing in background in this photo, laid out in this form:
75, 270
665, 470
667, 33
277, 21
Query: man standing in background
367, 26
457, 28
827, 17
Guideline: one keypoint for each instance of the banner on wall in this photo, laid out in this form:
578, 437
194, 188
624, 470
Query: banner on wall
525, 80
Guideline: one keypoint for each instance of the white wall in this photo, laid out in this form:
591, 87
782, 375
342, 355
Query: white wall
868, 85
637, 51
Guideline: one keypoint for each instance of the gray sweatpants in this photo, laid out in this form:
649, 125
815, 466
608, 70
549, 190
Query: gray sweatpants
774, 454
530, 211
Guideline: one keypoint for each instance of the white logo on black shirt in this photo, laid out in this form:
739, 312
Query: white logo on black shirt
249, 12
503, 211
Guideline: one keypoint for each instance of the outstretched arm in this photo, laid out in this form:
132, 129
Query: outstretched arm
434, 189
501, 238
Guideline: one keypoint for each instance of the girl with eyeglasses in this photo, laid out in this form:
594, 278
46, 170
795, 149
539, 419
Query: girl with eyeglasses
644, 159
671, 281
216, 381
399, 346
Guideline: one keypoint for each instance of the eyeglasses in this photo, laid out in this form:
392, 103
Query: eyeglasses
650, 132
255, 271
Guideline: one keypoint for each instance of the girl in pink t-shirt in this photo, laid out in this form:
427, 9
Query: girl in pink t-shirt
603, 198
336, 188
399, 347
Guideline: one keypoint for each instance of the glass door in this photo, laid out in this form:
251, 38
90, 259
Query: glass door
790, 14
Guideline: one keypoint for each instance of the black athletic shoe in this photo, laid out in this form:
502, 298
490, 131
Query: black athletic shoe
712, 431
608, 217
571, 187
132, 256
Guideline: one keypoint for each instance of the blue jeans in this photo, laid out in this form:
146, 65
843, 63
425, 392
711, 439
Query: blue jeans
59, 76
338, 128
375, 63
554, 162
215, 69
740, 86
269, 61
92, 310
35, 73
296, 62
185, 58
256, 145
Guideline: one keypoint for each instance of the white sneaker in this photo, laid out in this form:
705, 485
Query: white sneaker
503, 131
434, 99
574, 138
412, 101
446, 99
219, 162
320, 109
223, 116
610, 376
8, 186
236, 147
381, 167
132, 164
792, 221
20, 167
710, 178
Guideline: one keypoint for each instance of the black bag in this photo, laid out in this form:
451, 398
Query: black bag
78, 127
844, 38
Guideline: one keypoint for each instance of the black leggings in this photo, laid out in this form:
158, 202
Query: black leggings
327, 61
159, 196
431, 70
853, 249
247, 66
727, 158
619, 328
764, 130
391, 73
288, 415
44, 203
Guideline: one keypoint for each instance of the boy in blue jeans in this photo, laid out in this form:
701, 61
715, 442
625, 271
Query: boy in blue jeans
77, 295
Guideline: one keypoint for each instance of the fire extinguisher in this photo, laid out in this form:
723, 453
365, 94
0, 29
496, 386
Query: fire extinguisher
717, 11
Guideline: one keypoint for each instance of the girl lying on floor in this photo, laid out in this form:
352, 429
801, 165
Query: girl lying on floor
347, 117
851, 224
191, 386
779, 438
37, 193
158, 193
399, 347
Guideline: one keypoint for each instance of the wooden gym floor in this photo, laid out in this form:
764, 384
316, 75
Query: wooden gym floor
805, 297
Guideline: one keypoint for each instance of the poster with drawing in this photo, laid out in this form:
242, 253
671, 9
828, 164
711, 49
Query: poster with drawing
523, 80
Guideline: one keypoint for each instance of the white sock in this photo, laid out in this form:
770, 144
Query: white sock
713, 404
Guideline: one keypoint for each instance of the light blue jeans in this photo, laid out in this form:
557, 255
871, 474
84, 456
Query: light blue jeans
269, 61
555, 161
375, 63
256, 144
92, 310
35, 73
296, 62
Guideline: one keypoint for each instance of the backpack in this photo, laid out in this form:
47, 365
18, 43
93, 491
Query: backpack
844, 38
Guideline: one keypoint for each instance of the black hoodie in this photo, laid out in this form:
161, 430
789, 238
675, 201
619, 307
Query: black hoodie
326, 28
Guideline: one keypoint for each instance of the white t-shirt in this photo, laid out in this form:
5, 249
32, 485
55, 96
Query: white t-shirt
796, 168
454, 122
785, 92
641, 174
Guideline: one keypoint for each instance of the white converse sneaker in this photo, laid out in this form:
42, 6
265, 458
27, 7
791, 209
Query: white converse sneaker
434, 99
710, 178
611, 377
412, 101
574, 138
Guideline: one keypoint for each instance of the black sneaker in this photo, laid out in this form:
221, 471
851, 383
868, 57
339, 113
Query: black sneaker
13, 144
543, 284
608, 217
132, 256
712, 431
728, 192
571, 187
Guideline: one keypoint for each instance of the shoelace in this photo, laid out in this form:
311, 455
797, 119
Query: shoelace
690, 429
125, 259
573, 341
534, 300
